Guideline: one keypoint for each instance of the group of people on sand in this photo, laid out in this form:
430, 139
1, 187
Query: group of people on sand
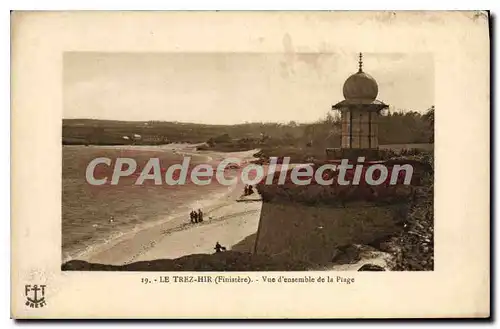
248, 190
196, 216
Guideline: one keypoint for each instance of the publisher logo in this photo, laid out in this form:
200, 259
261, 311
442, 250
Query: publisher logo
35, 295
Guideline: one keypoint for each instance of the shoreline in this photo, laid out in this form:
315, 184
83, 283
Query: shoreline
130, 246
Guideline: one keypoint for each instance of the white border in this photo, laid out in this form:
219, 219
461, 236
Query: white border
151, 5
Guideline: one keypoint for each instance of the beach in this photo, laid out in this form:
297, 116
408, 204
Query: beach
229, 222
151, 222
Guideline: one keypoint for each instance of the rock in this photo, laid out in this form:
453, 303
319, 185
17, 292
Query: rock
371, 267
335, 254
386, 246
346, 255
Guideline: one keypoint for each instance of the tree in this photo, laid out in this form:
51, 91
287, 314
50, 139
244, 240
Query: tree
429, 115
429, 118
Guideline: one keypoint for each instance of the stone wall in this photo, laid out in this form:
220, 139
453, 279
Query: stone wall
312, 233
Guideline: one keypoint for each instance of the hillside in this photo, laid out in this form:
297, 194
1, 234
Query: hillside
394, 128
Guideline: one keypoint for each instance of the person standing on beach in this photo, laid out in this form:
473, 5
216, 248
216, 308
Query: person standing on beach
200, 216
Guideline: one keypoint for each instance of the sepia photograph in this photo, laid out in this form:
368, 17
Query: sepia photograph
146, 138
172, 157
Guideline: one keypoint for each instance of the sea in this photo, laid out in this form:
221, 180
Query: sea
95, 216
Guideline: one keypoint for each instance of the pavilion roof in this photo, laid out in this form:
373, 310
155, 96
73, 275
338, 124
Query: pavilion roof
349, 102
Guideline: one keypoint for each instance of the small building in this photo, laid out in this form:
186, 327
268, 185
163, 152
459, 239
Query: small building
360, 111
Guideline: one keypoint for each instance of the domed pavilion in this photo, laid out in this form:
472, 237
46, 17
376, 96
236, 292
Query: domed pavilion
360, 111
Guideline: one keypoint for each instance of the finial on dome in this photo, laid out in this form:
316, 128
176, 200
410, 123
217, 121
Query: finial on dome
360, 86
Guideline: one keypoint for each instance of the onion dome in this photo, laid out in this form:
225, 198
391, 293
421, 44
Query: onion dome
360, 86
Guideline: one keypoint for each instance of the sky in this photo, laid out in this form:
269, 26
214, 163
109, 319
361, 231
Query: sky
230, 88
